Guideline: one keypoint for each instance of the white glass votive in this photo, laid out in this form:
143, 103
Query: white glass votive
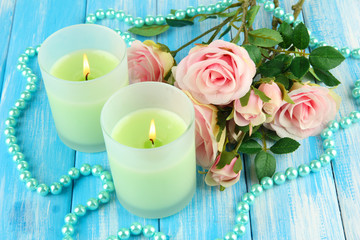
75, 103
151, 182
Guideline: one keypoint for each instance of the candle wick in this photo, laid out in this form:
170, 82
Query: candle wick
86, 76
152, 141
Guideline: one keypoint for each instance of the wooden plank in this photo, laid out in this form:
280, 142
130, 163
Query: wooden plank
26, 215
6, 19
302, 209
338, 23
211, 213
111, 217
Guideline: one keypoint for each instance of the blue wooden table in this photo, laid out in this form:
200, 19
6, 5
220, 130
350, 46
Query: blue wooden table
321, 206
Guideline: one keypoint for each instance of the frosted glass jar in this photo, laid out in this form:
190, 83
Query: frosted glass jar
76, 105
154, 182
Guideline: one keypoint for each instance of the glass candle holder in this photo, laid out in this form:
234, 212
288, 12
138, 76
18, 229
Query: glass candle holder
151, 182
75, 103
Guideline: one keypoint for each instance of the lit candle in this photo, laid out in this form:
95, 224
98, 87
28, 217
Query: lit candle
151, 180
77, 93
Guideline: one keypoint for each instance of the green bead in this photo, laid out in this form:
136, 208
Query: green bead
110, 13
269, 6
324, 159
304, 170
126, 35
96, 170
37, 48
9, 131
100, 14
67, 238
22, 165
123, 234
180, 14
109, 186
91, 18
355, 116
26, 95
279, 178
345, 52
279, 12
315, 165
32, 78
210, 9
333, 125
231, 236
356, 93
42, 189
227, 2
242, 218
239, 229
357, 83
80, 210
313, 42
148, 231
326, 133
71, 218
31, 184
55, 188
190, 11
10, 140
65, 180
85, 169
159, 20
118, 31
112, 237
267, 183
296, 22
13, 149
289, 18
322, 44
24, 175
92, 204
74, 173
129, 20
248, 198
336, 48
170, 16
20, 66
104, 197
68, 230
256, 189
149, 20
291, 173
30, 51
331, 152
356, 53
10, 122
135, 229
105, 176
18, 157
139, 22
14, 112
219, 7
26, 71
120, 15
159, 236
242, 207
20, 104
31, 87
201, 9
23, 58
345, 122
328, 143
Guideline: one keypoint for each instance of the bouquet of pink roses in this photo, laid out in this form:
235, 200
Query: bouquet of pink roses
246, 95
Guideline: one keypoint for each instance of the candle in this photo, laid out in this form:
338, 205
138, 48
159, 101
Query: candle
151, 181
76, 94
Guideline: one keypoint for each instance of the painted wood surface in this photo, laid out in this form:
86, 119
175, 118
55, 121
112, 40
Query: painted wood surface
322, 206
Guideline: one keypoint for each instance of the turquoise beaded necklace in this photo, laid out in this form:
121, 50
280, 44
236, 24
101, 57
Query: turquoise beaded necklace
104, 196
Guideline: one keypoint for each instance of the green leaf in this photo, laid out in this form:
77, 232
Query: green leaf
265, 165
301, 37
251, 14
227, 14
286, 59
286, 32
271, 68
250, 147
238, 165
203, 18
149, 31
325, 58
285, 95
254, 53
245, 99
272, 135
313, 75
285, 145
225, 158
222, 115
326, 77
283, 80
261, 94
300, 66
265, 52
163, 47
265, 37
178, 23
225, 32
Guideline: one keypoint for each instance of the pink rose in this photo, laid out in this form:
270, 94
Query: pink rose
146, 62
225, 176
273, 91
216, 74
251, 113
314, 107
206, 131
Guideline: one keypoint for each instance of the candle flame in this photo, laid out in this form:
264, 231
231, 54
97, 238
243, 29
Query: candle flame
152, 131
86, 67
